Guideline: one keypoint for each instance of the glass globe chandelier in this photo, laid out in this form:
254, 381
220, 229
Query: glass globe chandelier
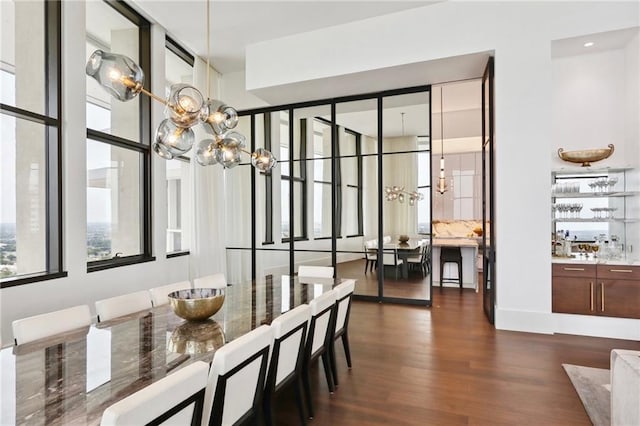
393, 193
185, 107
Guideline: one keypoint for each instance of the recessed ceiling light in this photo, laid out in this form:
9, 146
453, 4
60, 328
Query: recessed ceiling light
589, 44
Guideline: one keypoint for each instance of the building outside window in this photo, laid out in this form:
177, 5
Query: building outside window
30, 211
118, 154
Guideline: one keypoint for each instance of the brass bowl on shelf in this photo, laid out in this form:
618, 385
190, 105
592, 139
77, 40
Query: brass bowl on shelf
196, 304
587, 156
403, 238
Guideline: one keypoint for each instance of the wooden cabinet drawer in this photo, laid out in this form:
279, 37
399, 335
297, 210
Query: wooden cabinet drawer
618, 298
618, 272
574, 270
573, 295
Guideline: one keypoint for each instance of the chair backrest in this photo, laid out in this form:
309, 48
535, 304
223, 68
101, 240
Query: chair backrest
315, 271
211, 281
289, 335
320, 331
237, 377
40, 326
343, 303
426, 253
159, 295
107, 309
176, 399
390, 255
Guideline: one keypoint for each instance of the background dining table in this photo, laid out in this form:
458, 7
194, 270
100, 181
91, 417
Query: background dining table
71, 378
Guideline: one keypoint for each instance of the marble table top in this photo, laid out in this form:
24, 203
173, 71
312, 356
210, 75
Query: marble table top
72, 378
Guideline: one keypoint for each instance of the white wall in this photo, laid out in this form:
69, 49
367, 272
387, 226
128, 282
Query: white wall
81, 287
520, 35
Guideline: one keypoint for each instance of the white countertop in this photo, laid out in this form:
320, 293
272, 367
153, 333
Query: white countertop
584, 261
455, 242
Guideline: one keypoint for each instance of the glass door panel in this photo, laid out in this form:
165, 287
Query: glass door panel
406, 191
357, 131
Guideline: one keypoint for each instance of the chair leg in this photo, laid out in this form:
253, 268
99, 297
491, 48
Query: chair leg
266, 408
299, 391
347, 351
326, 363
366, 265
441, 269
334, 366
460, 273
307, 388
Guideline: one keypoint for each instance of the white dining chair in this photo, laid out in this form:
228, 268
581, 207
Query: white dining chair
390, 258
211, 281
315, 271
421, 260
114, 307
318, 341
235, 387
176, 399
160, 295
287, 356
386, 239
370, 255
344, 291
45, 325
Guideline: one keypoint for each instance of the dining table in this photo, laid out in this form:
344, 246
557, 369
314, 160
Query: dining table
72, 377
404, 250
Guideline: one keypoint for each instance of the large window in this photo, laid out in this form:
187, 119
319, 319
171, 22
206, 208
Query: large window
293, 181
30, 212
118, 154
424, 185
351, 177
178, 69
322, 208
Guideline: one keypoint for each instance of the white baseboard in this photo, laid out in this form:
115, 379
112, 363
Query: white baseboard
595, 326
526, 321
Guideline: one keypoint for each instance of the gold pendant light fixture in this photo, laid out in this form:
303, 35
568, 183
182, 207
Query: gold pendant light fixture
185, 107
442, 182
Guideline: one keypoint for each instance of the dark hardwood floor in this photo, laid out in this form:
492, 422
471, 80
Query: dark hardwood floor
446, 365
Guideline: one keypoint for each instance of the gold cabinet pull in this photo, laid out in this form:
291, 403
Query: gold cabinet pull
591, 292
574, 269
626, 271
602, 297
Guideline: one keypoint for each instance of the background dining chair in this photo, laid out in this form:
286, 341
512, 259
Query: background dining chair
211, 281
40, 326
315, 271
176, 399
160, 295
390, 258
287, 356
113, 307
386, 239
318, 340
344, 291
422, 260
236, 380
370, 255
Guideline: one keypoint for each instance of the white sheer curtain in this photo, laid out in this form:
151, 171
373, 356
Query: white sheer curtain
208, 238
400, 170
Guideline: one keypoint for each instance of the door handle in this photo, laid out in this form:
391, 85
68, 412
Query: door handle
591, 292
626, 271
602, 297
574, 269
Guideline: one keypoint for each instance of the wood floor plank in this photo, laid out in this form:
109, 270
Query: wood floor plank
446, 365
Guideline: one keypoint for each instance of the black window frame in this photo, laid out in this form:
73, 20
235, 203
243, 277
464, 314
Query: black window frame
52, 120
359, 185
300, 180
427, 188
323, 182
185, 55
143, 147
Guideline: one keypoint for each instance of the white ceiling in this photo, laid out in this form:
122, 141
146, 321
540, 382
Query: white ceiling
238, 23
609, 40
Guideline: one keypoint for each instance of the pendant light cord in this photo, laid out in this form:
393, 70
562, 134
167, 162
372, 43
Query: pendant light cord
208, 48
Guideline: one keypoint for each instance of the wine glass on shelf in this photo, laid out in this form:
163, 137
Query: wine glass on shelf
595, 248
611, 182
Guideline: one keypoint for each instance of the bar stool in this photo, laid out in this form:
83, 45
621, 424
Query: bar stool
451, 255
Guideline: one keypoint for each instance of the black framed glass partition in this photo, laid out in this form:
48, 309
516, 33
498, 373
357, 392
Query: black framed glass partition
325, 203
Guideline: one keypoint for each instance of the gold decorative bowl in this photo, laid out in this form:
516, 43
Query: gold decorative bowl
403, 238
196, 304
587, 156
196, 337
